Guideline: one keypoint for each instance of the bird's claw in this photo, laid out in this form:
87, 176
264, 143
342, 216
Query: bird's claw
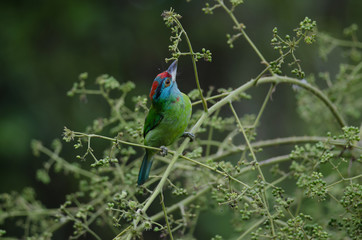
164, 151
189, 135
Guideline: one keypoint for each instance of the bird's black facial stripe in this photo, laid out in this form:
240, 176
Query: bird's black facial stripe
158, 90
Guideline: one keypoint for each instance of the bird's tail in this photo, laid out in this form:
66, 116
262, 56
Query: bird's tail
145, 167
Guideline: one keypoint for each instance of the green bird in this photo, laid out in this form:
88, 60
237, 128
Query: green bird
167, 118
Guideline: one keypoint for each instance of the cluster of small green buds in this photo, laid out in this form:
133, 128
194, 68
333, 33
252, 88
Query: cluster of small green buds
245, 212
314, 184
307, 30
287, 46
231, 39
235, 3
104, 162
285, 202
196, 153
127, 86
210, 9
219, 122
68, 135
217, 237
119, 196
297, 228
140, 101
206, 55
79, 144
276, 67
43, 176
351, 30
35, 146
298, 72
351, 135
108, 82
80, 85
179, 192
207, 9
170, 16
134, 132
194, 94
352, 199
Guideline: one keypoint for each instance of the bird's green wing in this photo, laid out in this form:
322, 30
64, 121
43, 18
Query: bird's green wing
152, 120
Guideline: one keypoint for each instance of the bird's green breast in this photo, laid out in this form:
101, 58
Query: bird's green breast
173, 117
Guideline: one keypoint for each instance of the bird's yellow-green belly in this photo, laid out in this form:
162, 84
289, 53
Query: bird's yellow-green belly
166, 132
175, 118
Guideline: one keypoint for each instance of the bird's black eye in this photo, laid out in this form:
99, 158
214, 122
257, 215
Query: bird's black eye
167, 82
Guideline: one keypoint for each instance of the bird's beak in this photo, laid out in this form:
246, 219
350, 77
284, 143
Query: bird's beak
172, 69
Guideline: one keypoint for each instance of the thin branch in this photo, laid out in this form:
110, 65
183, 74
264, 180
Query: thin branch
266, 205
165, 215
184, 202
193, 63
65, 164
240, 27
251, 228
261, 111
211, 98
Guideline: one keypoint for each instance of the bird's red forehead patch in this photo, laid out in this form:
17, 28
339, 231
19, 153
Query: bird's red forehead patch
153, 89
164, 75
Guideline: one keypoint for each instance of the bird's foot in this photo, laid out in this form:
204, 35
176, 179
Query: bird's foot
164, 151
189, 135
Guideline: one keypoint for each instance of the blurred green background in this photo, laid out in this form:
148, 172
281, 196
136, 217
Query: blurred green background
45, 45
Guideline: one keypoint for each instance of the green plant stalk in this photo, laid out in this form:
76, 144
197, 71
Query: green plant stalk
344, 179
275, 182
263, 106
261, 74
209, 137
267, 162
194, 222
165, 214
115, 140
160, 185
352, 76
172, 208
65, 164
88, 91
85, 226
215, 170
269, 143
318, 93
240, 28
111, 104
208, 146
184, 202
21, 213
251, 228
258, 223
272, 79
257, 166
342, 43
193, 63
211, 98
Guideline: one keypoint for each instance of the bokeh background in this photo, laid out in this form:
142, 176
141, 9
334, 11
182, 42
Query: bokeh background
45, 45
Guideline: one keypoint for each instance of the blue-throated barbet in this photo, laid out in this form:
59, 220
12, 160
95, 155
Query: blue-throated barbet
167, 118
